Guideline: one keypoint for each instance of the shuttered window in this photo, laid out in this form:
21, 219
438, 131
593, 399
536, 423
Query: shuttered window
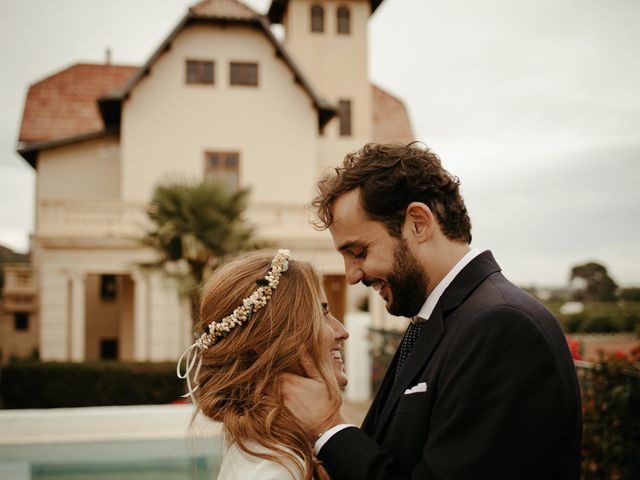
200, 71
244, 74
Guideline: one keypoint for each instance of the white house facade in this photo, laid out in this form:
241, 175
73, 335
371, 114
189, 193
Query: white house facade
221, 96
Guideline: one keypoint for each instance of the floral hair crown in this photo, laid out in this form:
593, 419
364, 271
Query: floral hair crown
217, 330
250, 305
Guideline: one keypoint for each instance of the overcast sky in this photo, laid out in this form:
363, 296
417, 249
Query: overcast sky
535, 106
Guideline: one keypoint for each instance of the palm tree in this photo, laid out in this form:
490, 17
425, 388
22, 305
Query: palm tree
195, 226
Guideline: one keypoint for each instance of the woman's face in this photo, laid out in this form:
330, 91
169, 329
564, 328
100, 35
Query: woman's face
334, 335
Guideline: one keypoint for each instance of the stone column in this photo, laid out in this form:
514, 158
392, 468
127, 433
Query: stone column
357, 356
140, 316
78, 310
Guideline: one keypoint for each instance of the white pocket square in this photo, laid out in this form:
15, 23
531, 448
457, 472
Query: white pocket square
421, 387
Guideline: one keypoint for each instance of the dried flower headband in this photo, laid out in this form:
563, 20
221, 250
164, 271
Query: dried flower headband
220, 329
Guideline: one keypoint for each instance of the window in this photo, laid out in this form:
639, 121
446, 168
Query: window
109, 349
317, 18
343, 20
224, 167
108, 290
344, 115
21, 321
200, 71
244, 74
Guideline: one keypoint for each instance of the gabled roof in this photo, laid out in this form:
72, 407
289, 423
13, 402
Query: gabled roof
84, 101
215, 12
278, 7
390, 118
62, 109
64, 104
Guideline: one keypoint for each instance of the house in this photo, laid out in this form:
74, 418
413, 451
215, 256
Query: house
223, 97
18, 307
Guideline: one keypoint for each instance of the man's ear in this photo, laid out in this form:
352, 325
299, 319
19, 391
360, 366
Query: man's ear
420, 221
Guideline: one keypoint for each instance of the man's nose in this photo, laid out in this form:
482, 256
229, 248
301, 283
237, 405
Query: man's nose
353, 271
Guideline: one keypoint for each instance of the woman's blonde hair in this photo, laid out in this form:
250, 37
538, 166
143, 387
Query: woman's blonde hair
239, 380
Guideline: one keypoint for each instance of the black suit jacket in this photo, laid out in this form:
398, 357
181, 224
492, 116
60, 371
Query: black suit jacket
502, 397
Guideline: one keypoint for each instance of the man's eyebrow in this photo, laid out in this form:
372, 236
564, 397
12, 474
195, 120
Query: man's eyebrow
348, 245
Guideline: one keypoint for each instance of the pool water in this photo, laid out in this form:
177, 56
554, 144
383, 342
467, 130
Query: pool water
166, 459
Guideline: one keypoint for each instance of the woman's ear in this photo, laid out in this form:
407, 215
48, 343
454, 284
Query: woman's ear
419, 221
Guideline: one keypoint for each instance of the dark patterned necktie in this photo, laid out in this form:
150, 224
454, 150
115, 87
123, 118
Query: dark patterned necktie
411, 335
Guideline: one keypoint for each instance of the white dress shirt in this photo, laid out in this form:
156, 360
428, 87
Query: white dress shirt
424, 313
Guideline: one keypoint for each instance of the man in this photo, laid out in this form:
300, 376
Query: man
483, 384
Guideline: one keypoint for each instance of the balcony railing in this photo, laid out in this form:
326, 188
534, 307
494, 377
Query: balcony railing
92, 219
19, 279
114, 219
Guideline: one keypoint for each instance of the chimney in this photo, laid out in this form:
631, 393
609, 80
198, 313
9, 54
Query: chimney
108, 56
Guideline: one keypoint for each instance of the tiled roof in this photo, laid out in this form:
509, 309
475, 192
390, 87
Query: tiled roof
390, 118
229, 9
64, 104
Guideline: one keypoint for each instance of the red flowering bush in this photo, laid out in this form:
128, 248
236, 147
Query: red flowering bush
575, 347
611, 417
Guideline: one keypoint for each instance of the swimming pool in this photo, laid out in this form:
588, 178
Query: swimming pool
168, 459
109, 443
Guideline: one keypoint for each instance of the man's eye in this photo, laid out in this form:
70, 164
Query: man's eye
361, 254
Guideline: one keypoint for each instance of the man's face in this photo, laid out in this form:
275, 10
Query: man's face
375, 258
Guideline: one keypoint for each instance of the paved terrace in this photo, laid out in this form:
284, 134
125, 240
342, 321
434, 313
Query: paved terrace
63, 425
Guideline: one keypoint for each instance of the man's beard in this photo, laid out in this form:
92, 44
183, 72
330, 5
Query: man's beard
407, 282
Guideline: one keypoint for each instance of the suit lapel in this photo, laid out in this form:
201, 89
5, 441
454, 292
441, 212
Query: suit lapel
417, 359
461, 287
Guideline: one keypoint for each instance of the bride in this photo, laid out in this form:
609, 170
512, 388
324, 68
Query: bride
260, 315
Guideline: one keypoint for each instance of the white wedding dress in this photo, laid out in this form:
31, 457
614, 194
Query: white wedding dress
238, 465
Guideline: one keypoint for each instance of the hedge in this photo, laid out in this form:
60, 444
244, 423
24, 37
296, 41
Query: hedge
57, 384
600, 318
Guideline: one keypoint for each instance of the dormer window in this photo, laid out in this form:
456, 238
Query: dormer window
344, 15
317, 19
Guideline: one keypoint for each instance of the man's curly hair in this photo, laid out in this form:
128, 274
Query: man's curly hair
391, 176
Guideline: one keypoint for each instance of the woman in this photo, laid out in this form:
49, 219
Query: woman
259, 314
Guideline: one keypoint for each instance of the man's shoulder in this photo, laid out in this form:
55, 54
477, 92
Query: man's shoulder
497, 303
497, 291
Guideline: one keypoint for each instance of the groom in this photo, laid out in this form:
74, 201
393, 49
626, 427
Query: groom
482, 385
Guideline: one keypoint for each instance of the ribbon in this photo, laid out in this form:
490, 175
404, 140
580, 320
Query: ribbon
192, 356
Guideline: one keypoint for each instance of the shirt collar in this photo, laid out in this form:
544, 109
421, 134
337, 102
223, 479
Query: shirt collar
428, 306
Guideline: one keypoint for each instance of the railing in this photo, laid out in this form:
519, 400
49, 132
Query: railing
279, 221
98, 218
18, 279
101, 218
383, 346
16, 303
611, 418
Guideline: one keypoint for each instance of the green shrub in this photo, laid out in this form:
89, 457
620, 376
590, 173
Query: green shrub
572, 323
599, 324
600, 318
57, 384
